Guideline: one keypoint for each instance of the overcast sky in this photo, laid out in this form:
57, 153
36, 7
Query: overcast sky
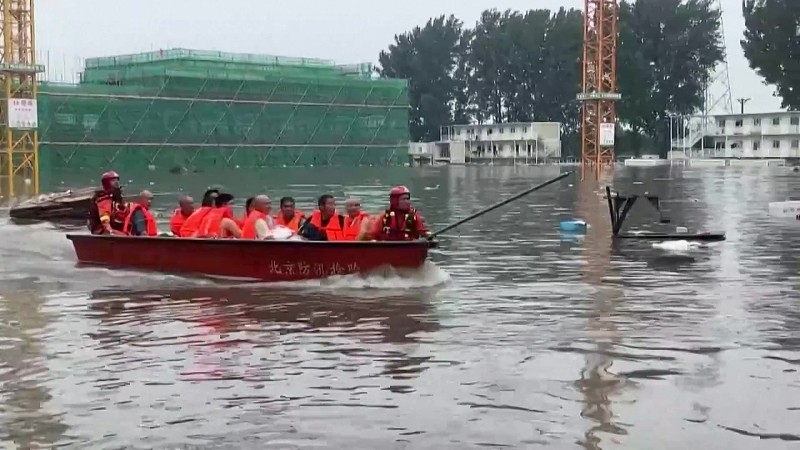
347, 31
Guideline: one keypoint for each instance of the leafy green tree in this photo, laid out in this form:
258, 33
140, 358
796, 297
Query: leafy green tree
527, 66
427, 56
667, 52
772, 45
488, 55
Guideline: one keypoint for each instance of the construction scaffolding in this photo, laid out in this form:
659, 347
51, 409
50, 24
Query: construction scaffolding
196, 110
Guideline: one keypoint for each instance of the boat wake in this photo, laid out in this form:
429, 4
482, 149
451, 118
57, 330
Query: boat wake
386, 278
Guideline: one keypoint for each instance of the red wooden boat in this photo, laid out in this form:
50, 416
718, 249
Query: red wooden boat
247, 259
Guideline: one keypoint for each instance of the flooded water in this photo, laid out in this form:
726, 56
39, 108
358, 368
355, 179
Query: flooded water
513, 336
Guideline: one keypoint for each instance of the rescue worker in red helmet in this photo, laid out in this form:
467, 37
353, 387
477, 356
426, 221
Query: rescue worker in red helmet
108, 211
401, 222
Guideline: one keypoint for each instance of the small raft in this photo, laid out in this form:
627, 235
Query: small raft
270, 261
65, 205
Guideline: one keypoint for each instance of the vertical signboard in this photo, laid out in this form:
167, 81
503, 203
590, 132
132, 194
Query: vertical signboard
22, 114
607, 134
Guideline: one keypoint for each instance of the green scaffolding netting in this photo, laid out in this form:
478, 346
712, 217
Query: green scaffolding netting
193, 108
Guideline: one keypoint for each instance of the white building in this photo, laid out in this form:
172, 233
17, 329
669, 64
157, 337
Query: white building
508, 143
757, 135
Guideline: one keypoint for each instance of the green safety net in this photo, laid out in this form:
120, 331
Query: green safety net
192, 109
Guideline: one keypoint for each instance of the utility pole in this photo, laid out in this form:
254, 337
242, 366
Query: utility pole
742, 102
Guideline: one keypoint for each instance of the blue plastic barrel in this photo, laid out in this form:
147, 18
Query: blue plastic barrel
573, 226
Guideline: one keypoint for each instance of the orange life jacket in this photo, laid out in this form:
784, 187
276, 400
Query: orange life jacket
333, 230
210, 226
192, 223
293, 224
352, 226
176, 221
249, 227
151, 229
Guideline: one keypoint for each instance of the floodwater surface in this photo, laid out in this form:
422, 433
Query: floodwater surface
513, 336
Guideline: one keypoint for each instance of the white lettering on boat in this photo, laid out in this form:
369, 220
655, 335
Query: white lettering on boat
274, 267
304, 269
336, 269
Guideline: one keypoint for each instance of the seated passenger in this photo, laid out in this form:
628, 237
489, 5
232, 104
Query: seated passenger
248, 206
355, 219
325, 224
219, 223
140, 222
193, 222
288, 216
259, 224
181, 214
401, 222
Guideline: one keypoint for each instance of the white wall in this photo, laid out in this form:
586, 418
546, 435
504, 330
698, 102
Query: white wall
760, 146
746, 125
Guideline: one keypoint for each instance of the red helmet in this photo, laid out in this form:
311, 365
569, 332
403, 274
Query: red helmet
398, 191
108, 176
106, 179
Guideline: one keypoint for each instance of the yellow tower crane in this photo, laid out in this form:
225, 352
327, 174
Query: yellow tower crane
19, 140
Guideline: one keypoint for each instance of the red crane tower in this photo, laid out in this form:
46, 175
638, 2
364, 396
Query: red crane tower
599, 94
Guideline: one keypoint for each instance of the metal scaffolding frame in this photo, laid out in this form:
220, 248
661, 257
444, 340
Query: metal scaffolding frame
288, 122
599, 89
19, 143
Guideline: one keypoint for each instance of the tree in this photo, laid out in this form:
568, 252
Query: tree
489, 50
427, 57
527, 67
667, 52
772, 45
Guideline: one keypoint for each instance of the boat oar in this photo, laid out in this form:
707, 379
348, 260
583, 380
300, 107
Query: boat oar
497, 205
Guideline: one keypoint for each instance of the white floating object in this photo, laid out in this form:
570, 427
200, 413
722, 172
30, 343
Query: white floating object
681, 230
787, 209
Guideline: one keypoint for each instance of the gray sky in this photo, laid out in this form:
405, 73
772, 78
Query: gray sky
347, 31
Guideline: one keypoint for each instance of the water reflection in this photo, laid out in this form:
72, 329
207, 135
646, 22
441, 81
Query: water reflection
224, 321
27, 420
597, 383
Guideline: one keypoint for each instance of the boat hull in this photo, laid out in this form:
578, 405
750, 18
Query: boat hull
272, 261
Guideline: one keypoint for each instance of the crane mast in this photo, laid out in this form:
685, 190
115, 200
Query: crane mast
599, 94
19, 140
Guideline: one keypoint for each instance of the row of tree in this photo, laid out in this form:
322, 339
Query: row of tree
516, 67
772, 45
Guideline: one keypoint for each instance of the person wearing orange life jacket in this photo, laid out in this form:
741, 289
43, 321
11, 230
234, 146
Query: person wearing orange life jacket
401, 222
259, 223
325, 224
288, 216
107, 210
192, 223
219, 223
140, 222
179, 216
248, 206
355, 219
